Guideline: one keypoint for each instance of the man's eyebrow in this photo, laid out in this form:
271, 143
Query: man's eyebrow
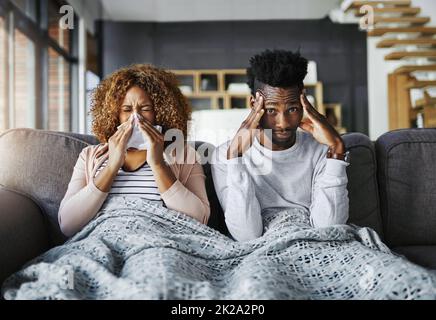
271, 103
289, 102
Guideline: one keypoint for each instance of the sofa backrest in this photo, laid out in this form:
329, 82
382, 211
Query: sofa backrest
407, 179
362, 182
403, 214
28, 165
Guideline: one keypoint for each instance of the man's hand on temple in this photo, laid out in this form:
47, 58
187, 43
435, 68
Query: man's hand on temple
317, 125
246, 133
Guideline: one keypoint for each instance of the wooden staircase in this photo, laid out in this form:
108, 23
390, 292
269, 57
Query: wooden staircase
428, 31
413, 40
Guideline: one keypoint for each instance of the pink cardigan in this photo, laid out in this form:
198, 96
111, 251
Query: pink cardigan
187, 194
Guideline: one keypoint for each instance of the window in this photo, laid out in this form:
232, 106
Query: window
61, 36
28, 7
39, 71
24, 81
58, 92
92, 81
3, 66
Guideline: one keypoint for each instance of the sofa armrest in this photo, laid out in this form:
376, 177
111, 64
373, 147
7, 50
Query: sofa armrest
23, 231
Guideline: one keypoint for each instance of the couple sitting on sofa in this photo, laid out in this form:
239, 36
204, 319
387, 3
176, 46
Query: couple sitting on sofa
137, 218
307, 168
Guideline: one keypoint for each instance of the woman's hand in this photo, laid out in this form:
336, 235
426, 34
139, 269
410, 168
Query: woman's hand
156, 142
317, 125
118, 145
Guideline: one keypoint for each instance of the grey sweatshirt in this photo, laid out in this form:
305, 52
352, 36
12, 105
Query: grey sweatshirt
298, 177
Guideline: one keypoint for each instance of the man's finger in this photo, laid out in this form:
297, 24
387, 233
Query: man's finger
312, 108
259, 102
307, 107
257, 118
306, 126
253, 111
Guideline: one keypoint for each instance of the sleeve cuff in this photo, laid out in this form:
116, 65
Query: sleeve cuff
336, 167
96, 190
171, 191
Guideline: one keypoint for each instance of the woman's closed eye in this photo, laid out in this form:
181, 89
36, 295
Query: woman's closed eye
146, 108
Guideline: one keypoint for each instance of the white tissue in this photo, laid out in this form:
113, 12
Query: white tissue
138, 140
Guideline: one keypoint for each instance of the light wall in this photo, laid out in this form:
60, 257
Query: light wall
89, 10
213, 10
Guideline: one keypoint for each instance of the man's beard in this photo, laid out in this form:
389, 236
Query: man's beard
284, 142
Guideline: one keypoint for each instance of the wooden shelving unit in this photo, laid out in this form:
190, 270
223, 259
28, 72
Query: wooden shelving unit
212, 89
333, 113
208, 88
403, 112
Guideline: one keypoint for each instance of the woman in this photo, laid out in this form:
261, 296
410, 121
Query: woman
153, 96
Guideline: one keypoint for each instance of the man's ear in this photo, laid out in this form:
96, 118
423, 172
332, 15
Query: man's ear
252, 100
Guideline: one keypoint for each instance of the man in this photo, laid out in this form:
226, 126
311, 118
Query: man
308, 167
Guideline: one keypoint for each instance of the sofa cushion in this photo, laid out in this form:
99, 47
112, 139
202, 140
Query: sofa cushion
40, 164
362, 182
23, 231
422, 255
407, 181
216, 218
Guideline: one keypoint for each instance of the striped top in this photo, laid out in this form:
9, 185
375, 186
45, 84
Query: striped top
140, 183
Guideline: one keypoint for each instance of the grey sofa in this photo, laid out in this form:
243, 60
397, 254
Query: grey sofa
392, 189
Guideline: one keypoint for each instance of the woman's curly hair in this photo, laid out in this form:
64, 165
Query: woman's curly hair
170, 106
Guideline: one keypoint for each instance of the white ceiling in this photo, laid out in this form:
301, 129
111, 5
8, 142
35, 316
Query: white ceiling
215, 10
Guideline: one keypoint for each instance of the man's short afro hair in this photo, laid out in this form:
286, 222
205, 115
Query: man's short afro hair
277, 68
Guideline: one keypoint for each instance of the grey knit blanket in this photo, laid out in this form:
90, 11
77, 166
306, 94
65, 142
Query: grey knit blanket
135, 249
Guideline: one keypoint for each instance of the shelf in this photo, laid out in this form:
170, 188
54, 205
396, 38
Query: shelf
425, 102
415, 84
382, 31
333, 113
201, 103
389, 43
238, 101
209, 82
209, 89
429, 117
316, 89
411, 54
